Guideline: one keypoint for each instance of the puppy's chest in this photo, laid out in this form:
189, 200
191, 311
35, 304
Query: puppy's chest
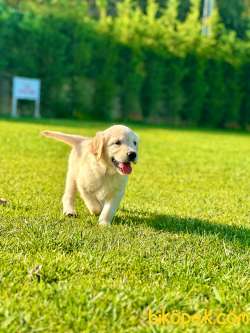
108, 187
103, 185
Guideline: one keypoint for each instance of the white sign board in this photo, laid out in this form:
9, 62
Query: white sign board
25, 88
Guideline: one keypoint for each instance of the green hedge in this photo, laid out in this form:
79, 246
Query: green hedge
135, 64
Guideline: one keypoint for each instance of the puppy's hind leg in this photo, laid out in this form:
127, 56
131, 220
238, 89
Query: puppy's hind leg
69, 196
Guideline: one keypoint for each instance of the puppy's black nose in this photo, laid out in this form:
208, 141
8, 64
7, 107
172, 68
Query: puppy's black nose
131, 156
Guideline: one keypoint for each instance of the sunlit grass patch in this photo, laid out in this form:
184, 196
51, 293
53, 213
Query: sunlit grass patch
180, 241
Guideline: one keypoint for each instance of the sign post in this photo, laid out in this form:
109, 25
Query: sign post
25, 88
207, 13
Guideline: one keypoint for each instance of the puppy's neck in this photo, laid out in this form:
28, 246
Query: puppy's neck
106, 169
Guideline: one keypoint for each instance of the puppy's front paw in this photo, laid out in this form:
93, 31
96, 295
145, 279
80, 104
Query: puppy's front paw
104, 223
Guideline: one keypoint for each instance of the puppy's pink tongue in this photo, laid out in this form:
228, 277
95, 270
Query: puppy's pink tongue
125, 168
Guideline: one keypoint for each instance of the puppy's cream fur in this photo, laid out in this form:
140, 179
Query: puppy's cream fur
93, 169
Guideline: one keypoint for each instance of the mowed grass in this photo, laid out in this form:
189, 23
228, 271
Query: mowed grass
179, 243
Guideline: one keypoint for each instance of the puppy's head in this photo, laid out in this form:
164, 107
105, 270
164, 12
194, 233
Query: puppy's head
117, 147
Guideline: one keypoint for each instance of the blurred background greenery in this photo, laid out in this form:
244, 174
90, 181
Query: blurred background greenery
141, 60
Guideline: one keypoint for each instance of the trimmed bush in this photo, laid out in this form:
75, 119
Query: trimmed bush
134, 64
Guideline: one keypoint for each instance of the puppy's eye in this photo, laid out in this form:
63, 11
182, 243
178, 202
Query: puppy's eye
135, 143
118, 143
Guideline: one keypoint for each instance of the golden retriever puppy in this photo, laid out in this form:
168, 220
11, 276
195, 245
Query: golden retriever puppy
98, 168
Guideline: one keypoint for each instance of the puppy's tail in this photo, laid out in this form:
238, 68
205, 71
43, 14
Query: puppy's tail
69, 139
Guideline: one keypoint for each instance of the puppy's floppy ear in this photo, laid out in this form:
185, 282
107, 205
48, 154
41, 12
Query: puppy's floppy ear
97, 145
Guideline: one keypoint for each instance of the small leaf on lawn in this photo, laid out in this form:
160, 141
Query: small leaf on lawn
35, 272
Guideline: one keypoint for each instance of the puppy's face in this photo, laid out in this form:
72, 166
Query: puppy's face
119, 148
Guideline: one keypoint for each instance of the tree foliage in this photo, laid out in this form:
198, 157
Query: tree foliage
129, 60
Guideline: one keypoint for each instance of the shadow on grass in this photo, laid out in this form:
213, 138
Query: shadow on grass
189, 225
54, 122
82, 123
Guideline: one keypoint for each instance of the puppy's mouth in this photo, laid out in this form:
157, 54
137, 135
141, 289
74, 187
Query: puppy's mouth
124, 167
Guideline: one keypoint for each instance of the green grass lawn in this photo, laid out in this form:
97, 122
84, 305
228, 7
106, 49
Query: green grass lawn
179, 243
